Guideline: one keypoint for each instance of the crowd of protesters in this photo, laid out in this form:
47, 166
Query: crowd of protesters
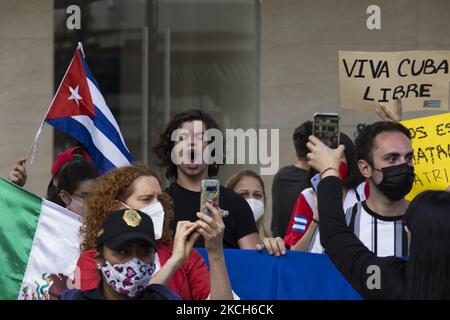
139, 239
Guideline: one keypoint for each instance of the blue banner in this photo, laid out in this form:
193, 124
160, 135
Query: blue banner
295, 276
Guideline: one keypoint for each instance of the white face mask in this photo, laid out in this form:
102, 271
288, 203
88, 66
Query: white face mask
257, 208
156, 212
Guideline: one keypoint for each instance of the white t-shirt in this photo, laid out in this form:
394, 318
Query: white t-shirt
352, 197
384, 236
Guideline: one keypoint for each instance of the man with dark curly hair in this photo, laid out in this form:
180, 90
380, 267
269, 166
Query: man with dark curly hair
240, 227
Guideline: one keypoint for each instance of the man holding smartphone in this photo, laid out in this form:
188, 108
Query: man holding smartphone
240, 227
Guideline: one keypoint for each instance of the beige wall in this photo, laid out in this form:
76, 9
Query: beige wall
26, 85
300, 43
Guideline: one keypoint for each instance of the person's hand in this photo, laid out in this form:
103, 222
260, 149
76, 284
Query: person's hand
323, 158
448, 189
183, 243
274, 246
388, 115
18, 174
184, 240
212, 229
59, 284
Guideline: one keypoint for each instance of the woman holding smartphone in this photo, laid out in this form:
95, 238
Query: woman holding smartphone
303, 232
177, 264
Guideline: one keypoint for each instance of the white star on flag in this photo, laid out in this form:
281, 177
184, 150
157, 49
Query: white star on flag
75, 96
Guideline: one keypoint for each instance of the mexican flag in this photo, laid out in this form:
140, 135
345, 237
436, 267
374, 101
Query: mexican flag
38, 239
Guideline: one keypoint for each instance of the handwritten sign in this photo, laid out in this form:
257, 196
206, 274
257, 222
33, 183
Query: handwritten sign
431, 144
420, 78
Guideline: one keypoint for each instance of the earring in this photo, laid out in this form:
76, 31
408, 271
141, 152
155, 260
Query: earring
99, 265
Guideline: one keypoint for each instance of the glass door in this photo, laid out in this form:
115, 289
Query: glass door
113, 33
204, 54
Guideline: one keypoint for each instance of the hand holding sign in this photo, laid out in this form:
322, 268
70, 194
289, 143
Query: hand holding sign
387, 115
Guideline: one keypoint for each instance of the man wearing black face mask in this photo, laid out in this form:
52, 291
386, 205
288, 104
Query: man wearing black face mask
385, 159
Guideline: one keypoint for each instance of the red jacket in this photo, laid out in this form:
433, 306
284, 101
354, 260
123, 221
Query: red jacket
302, 215
191, 281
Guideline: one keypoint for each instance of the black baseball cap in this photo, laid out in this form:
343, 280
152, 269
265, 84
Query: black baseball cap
126, 224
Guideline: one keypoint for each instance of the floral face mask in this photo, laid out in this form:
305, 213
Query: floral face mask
129, 278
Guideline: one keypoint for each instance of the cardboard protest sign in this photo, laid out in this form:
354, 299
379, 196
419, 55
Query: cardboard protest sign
431, 144
420, 78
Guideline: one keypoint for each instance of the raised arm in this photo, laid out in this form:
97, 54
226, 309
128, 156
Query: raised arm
212, 229
304, 243
347, 252
184, 239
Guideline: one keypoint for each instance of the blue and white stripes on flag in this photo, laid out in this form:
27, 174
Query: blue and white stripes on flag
80, 111
299, 223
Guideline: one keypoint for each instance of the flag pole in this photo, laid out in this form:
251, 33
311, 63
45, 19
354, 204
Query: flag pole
32, 150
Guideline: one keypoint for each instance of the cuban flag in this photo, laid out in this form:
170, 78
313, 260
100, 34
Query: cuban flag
300, 223
79, 110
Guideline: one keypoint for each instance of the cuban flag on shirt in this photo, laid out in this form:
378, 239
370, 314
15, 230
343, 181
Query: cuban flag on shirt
79, 110
299, 223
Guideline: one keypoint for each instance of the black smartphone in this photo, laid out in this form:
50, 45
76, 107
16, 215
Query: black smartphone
326, 128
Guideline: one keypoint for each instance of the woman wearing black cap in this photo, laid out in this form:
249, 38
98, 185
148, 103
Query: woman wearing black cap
178, 264
126, 261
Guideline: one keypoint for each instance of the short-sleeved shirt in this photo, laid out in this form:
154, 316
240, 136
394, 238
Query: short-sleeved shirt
302, 215
384, 236
286, 187
238, 223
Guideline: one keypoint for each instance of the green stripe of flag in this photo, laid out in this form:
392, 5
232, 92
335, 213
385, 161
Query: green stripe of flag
20, 211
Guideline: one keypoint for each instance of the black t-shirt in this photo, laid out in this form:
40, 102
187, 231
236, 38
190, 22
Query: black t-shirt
287, 185
239, 222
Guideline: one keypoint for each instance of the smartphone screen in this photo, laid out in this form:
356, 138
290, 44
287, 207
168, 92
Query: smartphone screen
326, 128
209, 194
315, 181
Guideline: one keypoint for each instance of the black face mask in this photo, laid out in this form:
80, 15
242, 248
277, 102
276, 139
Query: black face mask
397, 181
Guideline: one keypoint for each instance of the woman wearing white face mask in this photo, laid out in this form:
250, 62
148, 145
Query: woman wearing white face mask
250, 185
125, 260
156, 212
177, 264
